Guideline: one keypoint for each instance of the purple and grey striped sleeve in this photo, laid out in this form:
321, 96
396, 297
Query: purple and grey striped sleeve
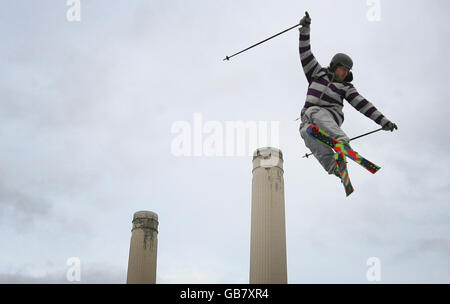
364, 106
309, 62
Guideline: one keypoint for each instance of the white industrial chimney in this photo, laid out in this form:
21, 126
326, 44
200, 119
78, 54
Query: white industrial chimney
268, 263
143, 248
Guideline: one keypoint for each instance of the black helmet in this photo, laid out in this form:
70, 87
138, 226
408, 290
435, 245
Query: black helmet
343, 60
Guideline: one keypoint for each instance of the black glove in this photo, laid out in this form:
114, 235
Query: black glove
390, 126
305, 21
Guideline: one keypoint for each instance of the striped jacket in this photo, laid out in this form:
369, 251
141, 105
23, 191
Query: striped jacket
332, 93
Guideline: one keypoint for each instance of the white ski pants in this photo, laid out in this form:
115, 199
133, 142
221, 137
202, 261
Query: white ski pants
323, 119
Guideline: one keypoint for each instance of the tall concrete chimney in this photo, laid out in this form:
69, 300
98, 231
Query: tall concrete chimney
268, 232
143, 248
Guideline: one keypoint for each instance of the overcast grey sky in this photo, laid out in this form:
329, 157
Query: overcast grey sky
86, 110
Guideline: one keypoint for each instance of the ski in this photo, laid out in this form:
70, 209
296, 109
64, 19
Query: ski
339, 159
338, 146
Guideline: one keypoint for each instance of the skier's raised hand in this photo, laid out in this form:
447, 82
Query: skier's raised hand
390, 126
306, 20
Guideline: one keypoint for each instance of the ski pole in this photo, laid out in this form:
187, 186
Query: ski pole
228, 57
365, 134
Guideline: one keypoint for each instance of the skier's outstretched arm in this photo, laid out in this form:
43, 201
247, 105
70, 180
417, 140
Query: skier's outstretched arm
368, 109
309, 62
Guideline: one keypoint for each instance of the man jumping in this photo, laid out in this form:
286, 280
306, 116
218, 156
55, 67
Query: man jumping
327, 89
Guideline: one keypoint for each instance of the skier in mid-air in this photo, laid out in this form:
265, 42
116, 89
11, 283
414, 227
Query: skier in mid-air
327, 89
